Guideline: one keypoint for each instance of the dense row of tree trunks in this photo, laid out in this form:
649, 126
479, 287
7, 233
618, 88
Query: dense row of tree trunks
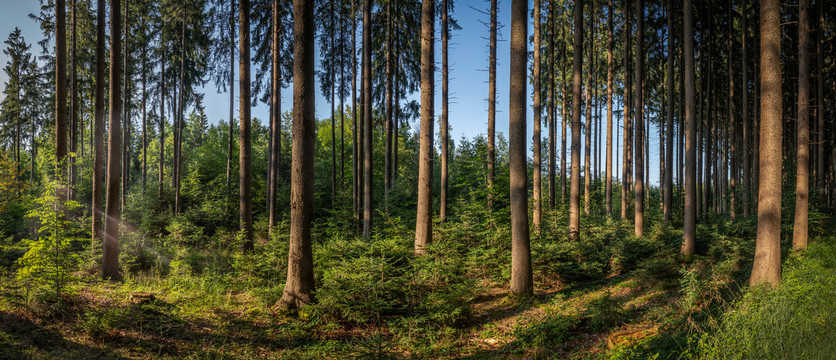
767, 265
244, 136
299, 286
110, 250
423, 217
521, 274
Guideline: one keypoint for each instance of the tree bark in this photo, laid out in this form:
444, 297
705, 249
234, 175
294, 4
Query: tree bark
574, 186
73, 106
368, 206
627, 161
639, 138
244, 144
110, 250
802, 173
608, 170
445, 136
231, 130
299, 287
423, 220
521, 275
589, 121
276, 114
98, 123
536, 174
666, 208
61, 93
745, 114
767, 265
492, 103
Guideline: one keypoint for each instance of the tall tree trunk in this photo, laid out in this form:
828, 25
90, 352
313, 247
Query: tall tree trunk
767, 265
627, 161
126, 131
387, 153
563, 91
244, 145
231, 129
536, 174
445, 135
368, 206
690, 210
639, 138
333, 122
161, 173
802, 173
276, 115
521, 275
589, 121
731, 125
73, 105
608, 170
492, 103
745, 113
98, 123
144, 123
820, 179
423, 217
666, 209
355, 148
299, 287
110, 250
181, 118
552, 95
577, 63
61, 93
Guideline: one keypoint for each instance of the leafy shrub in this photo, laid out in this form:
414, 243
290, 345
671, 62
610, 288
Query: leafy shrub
545, 334
605, 312
50, 260
183, 231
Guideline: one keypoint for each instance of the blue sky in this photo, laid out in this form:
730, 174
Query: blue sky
468, 57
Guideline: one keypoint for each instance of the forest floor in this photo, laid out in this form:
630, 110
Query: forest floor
100, 321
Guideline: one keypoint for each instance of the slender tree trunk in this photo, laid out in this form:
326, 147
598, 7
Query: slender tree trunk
126, 118
820, 179
333, 122
802, 173
61, 92
627, 161
639, 220
574, 187
144, 124
181, 121
445, 136
608, 170
669, 137
690, 213
423, 220
492, 103
355, 148
589, 121
162, 130
368, 206
387, 153
231, 130
73, 106
552, 95
244, 144
745, 114
521, 275
767, 265
563, 92
299, 287
731, 166
276, 115
536, 174
110, 250
98, 124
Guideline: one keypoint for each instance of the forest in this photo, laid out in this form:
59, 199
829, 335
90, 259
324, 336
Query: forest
637, 179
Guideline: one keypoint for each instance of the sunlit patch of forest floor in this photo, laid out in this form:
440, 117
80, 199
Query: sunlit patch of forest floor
99, 320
